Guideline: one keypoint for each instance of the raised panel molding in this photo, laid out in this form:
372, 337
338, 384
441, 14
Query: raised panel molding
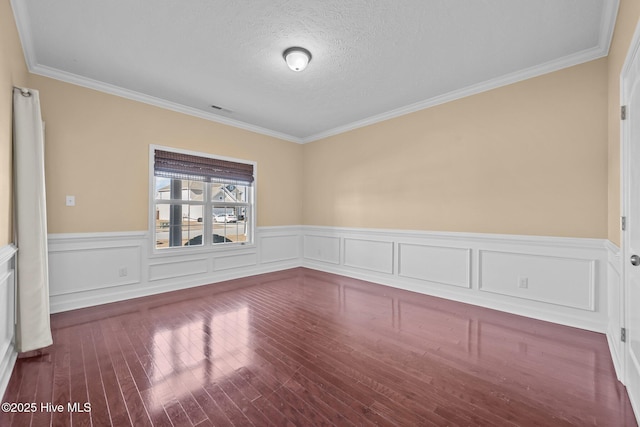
466, 267
439, 264
551, 279
104, 267
8, 352
277, 248
372, 255
173, 269
566, 277
230, 262
322, 248
96, 268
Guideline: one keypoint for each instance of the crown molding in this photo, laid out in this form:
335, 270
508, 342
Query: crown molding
24, 32
608, 24
23, 25
152, 100
606, 34
518, 76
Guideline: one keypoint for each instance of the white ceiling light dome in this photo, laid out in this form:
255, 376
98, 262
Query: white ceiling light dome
297, 58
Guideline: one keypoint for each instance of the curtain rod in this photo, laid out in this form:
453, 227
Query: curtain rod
23, 91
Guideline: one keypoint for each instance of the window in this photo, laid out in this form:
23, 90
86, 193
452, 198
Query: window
200, 200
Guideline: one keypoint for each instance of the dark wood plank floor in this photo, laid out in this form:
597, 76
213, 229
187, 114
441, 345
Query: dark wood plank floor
306, 348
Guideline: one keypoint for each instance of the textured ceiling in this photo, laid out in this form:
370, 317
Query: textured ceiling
372, 59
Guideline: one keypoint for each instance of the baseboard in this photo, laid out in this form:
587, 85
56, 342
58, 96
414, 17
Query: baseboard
98, 268
569, 281
8, 352
7, 363
83, 299
560, 280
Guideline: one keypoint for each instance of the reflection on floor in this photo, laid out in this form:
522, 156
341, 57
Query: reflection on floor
303, 348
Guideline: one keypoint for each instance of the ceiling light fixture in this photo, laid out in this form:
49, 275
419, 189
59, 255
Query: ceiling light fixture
297, 58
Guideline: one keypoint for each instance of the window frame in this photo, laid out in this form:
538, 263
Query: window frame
207, 208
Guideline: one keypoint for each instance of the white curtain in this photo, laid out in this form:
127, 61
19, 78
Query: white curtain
33, 330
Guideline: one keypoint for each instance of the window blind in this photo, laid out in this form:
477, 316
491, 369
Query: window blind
186, 166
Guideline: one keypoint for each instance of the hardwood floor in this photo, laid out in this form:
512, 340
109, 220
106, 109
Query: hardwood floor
306, 348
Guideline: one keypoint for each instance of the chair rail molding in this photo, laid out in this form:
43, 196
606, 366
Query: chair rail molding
8, 352
557, 279
570, 281
562, 280
88, 269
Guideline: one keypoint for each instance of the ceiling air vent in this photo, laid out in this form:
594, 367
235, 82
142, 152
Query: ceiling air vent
223, 110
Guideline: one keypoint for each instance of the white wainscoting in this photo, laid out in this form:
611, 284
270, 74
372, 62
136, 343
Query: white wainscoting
96, 268
321, 248
449, 266
283, 247
615, 305
372, 255
562, 280
8, 352
565, 279
570, 281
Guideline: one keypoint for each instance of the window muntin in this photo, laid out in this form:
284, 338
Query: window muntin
201, 211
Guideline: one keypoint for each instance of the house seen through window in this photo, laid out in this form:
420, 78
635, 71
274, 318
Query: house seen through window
201, 200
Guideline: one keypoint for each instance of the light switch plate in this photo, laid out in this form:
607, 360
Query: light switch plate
71, 200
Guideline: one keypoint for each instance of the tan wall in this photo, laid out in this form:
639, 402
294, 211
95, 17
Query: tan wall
13, 72
628, 15
97, 149
529, 158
